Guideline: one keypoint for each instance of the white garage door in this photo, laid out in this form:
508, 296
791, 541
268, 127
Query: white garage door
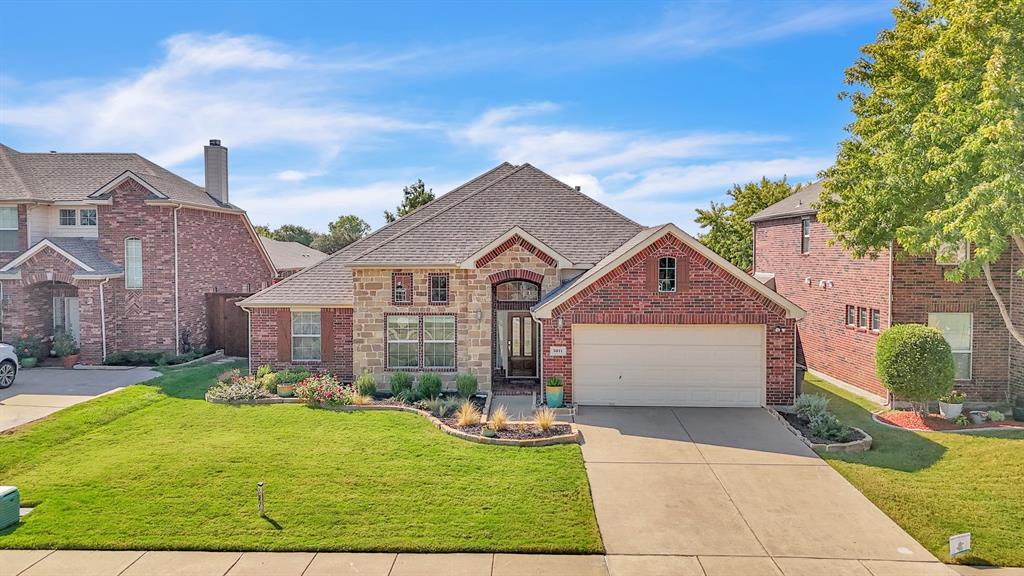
668, 365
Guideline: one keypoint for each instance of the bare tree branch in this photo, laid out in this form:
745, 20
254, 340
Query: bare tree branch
1002, 306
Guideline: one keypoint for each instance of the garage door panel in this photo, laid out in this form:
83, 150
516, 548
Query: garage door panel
670, 365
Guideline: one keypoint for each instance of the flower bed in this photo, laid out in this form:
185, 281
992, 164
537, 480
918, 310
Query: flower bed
857, 440
910, 420
812, 422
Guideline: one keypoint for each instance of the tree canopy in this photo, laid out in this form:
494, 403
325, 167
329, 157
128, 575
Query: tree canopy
415, 195
935, 154
729, 234
342, 232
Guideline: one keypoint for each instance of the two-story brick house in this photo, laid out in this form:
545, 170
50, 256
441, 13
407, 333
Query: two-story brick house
515, 277
849, 302
118, 251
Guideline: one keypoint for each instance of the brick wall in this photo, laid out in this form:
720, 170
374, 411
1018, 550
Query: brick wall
829, 345
6, 257
1017, 307
264, 342
713, 297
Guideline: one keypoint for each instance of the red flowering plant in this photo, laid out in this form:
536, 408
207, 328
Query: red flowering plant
27, 346
325, 389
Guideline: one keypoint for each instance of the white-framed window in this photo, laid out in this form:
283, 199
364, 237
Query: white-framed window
876, 319
517, 291
403, 341
805, 235
666, 274
862, 317
8, 228
87, 217
958, 329
851, 315
439, 288
67, 217
439, 341
132, 263
306, 335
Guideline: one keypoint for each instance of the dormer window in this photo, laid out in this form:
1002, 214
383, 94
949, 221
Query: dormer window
666, 274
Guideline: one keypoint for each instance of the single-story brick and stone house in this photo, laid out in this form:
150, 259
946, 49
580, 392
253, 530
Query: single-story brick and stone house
850, 302
516, 277
119, 252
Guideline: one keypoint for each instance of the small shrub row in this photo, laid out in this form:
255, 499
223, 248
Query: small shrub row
149, 358
325, 389
231, 385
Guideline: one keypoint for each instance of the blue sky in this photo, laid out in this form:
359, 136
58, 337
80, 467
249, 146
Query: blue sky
329, 108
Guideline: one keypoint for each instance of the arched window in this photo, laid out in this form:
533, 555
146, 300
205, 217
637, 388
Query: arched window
132, 263
517, 291
667, 274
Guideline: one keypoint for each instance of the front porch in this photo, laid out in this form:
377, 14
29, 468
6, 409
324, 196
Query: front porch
515, 366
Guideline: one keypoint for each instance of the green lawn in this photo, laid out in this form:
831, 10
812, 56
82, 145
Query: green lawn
935, 485
156, 467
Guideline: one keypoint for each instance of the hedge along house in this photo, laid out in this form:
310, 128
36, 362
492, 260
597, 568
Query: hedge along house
516, 277
118, 251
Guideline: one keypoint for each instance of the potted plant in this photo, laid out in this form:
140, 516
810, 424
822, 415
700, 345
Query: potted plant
1018, 408
29, 349
553, 390
64, 346
952, 404
978, 416
29, 362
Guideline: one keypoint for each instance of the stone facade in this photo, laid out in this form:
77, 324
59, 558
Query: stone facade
905, 287
712, 296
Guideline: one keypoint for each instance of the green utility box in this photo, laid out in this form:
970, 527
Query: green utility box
10, 505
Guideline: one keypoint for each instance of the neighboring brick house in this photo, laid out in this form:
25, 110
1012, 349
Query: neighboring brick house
117, 251
516, 277
849, 302
290, 257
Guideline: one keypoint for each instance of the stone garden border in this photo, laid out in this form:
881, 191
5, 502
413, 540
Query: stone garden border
572, 438
862, 445
875, 417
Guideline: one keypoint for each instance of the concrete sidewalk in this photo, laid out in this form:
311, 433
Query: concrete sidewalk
121, 563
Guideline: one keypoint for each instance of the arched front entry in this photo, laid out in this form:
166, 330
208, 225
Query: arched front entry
516, 350
52, 307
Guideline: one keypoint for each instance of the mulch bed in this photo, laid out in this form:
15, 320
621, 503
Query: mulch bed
513, 431
935, 423
800, 425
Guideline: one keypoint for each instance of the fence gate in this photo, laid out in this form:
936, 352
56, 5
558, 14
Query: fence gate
228, 324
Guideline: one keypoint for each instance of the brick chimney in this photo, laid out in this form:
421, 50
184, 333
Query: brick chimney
216, 157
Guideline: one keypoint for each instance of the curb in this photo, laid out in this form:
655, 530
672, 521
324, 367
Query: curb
856, 446
572, 438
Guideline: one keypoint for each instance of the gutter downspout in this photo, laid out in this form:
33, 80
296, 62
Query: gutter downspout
103, 321
177, 326
248, 314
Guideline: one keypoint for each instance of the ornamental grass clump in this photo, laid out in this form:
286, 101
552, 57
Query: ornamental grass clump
238, 388
324, 389
467, 414
545, 418
499, 419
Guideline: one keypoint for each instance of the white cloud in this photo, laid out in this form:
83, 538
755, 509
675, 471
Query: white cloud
296, 175
693, 178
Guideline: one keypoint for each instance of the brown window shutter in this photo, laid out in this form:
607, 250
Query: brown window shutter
326, 335
682, 274
652, 274
284, 335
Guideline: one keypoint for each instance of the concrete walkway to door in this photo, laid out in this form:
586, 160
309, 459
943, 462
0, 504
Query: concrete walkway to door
734, 486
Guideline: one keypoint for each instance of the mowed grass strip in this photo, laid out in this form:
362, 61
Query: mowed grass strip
157, 467
935, 485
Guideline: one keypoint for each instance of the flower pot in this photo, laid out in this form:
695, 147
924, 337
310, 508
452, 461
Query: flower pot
286, 390
950, 411
28, 362
70, 360
977, 417
554, 396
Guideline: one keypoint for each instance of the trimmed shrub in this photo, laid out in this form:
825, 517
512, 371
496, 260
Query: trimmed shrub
807, 406
466, 384
400, 383
263, 371
428, 386
292, 376
366, 384
268, 381
915, 363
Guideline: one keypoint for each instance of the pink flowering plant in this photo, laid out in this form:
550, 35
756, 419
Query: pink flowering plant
324, 389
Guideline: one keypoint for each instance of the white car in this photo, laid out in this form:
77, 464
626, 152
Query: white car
8, 365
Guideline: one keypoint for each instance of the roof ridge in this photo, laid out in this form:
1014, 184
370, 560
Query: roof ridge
442, 211
592, 201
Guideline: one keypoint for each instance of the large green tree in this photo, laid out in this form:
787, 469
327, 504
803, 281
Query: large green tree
342, 232
295, 233
729, 234
414, 196
935, 154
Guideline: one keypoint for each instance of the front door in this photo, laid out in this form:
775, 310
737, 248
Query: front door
522, 345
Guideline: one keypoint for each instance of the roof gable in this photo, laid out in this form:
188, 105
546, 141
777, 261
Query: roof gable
803, 202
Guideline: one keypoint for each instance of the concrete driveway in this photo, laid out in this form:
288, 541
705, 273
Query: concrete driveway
732, 487
39, 392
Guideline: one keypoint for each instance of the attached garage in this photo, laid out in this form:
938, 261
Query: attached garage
669, 365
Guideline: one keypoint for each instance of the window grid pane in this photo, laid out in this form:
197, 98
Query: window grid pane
518, 291
8, 240
439, 289
666, 275
68, 217
403, 341
9, 218
439, 354
133, 263
87, 217
439, 341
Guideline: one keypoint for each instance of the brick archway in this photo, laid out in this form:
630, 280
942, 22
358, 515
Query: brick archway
40, 277
516, 274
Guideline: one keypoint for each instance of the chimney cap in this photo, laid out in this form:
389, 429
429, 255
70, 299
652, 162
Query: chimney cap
214, 142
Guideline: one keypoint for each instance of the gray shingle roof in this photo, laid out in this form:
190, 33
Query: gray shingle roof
291, 255
801, 203
456, 225
74, 176
86, 251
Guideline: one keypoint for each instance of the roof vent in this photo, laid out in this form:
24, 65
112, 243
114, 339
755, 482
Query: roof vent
53, 151
577, 188
214, 142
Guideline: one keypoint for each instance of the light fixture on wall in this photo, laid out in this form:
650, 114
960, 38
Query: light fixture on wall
478, 315
807, 280
821, 284
779, 329
559, 323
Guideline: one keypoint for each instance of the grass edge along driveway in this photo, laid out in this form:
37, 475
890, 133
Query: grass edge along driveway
156, 467
935, 485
